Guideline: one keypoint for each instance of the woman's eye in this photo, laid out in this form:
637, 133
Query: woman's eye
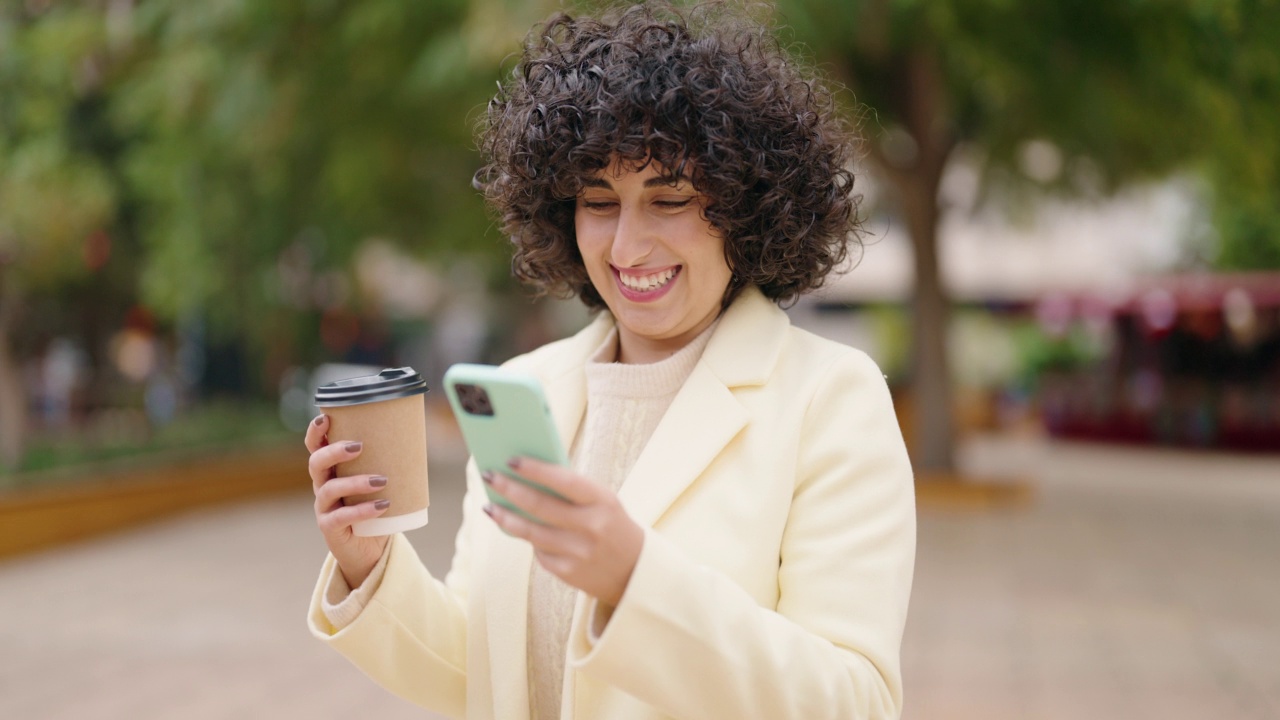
672, 204
598, 204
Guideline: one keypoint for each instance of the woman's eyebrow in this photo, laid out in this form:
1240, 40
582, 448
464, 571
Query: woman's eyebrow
670, 181
650, 183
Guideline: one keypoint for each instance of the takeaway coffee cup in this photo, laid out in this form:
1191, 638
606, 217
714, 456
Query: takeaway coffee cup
386, 412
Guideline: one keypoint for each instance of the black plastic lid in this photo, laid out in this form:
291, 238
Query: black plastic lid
390, 384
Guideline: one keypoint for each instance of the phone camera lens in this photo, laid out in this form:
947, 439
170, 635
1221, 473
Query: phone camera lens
474, 399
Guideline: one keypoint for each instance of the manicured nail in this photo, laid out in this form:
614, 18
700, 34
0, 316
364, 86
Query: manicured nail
378, 481
514, 463
487, 477
353, 446
319, 419
488, 510
381, 504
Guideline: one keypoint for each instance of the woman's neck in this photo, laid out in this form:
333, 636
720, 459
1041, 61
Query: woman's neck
637, 350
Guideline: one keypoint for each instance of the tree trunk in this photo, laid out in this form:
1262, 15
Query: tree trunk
933, 443
13, 404
915, 177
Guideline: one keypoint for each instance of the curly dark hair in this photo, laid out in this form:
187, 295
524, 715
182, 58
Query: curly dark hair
709, 95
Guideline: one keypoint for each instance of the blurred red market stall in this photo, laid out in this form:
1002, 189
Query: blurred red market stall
1185, 360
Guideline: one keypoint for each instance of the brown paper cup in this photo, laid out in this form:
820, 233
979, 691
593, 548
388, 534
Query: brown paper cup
394, 435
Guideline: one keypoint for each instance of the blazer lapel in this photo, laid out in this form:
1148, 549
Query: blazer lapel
564, 380
510, 560
567, 400
702, 419
705, 416
506, 609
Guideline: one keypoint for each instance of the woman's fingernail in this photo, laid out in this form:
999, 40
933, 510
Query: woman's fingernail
353, 446
381, 504
319, 419
487, 477
378, 481
488, 510
514, 463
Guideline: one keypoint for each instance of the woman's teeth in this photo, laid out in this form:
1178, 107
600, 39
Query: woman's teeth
644, 283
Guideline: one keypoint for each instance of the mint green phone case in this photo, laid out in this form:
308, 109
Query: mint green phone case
520, 423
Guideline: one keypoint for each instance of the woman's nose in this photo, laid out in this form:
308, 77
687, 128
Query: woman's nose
632, 239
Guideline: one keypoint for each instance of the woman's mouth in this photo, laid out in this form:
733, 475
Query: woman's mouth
645, 286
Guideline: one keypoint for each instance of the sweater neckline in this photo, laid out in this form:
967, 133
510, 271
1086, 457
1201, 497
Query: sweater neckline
606, 376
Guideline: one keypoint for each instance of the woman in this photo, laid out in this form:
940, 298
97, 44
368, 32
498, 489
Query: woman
739, 533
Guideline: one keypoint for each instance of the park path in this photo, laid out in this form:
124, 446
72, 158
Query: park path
1135, 584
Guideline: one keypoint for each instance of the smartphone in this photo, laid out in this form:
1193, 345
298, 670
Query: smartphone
503, 413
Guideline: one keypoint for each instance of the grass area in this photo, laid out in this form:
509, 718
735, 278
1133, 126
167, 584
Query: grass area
122, 437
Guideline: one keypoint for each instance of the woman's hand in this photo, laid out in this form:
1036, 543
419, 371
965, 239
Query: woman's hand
589, 542
356, 555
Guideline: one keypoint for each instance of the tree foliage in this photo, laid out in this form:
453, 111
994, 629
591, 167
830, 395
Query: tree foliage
259, 125
203, 145
55, 190
1245, 167
1135, 89
237, 128
1078, 97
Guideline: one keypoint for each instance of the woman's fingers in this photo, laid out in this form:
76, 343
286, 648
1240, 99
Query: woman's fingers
316, 429
344, 516
356, 556
586, 539
320, 465
334, 491
598, 564
570, 485
547, 508
544, 538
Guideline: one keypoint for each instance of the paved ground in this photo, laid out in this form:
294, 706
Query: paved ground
1136, 585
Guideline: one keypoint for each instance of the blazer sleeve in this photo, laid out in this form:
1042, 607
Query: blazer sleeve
411, 637
689, 641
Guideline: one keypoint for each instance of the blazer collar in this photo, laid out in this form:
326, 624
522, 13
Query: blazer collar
566, 381
748, 341
703, 417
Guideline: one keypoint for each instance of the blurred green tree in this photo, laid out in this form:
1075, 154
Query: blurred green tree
227, 139
305, 126
1245, 171
58, 193
1062, 96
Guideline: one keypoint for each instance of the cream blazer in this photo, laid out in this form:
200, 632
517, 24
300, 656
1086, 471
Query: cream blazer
773, 583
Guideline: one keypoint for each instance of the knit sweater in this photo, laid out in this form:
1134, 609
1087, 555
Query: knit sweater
625, 402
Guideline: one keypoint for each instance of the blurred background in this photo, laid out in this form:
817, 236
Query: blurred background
1071, 279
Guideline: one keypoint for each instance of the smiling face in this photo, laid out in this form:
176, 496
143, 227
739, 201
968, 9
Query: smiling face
655, 260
